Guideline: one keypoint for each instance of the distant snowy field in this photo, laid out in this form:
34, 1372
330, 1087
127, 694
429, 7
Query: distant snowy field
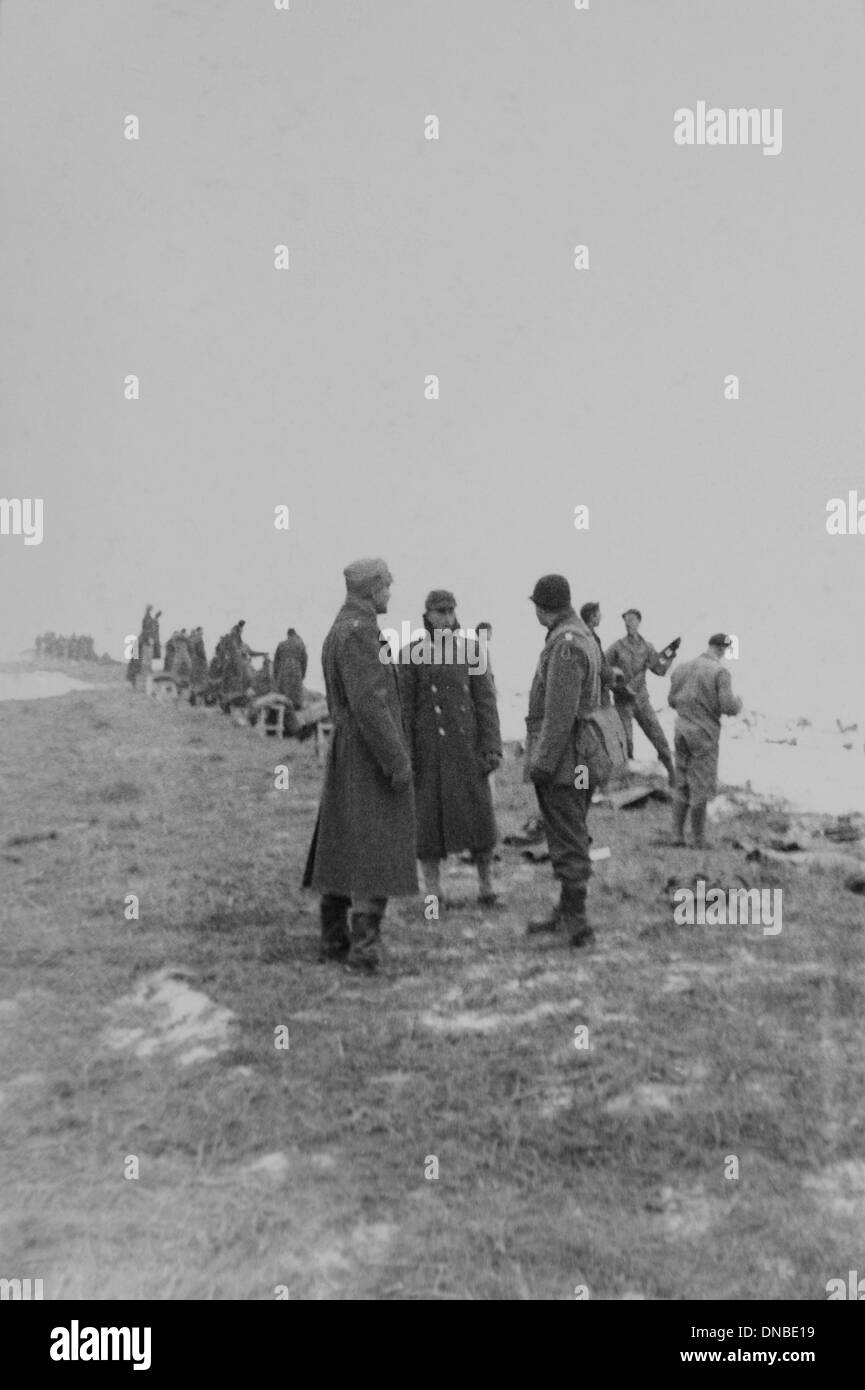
816, 774
35, 685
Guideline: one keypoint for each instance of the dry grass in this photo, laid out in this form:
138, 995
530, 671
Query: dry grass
557, 1167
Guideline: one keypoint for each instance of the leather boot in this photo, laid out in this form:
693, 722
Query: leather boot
363, 955
551, 922
487, 895
698, 825
574, 914
335, 940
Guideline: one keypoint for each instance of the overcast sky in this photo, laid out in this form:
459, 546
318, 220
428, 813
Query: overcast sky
559, 387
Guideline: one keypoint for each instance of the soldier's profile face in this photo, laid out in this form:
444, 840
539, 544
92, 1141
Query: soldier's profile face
381, 596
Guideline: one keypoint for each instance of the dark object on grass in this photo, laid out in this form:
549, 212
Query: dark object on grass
32, 839
856, 883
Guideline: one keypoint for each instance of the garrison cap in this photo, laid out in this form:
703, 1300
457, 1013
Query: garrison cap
720, 639
362, 577
440, 598
552, 591
636, 612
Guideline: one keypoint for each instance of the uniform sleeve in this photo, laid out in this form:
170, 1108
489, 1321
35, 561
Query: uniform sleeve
304, 660
728, 703
407, 679
675, 684
611, 655
365, 681
486, 711
566, 671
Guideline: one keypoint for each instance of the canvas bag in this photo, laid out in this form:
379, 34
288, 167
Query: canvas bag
601, 745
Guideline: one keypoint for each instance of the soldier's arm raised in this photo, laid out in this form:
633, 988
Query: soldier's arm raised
657, 665
365, 680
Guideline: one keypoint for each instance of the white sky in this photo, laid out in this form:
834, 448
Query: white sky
408, 257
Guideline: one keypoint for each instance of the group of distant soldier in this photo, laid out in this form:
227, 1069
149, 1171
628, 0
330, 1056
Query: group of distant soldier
416, 741
229, 679
74, 648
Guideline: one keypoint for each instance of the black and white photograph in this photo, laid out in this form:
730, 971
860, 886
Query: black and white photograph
432, 686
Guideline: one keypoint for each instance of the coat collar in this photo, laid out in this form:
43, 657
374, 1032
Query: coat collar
568, 621
360, 607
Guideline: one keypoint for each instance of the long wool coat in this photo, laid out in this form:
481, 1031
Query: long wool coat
364, 844
450, 714
289, 669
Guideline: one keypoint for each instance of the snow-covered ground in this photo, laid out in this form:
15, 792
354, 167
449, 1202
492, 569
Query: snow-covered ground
816, 773
35, 685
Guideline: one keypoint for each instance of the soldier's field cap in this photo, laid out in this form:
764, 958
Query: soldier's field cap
440, 598
720, 639
364, 576
552, 591
636, 612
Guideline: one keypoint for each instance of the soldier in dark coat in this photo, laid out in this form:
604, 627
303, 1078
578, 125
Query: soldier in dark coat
363, 850
289, 667
452, 723
567, 684
198, 653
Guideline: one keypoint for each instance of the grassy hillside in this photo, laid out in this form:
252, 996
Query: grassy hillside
303, 1168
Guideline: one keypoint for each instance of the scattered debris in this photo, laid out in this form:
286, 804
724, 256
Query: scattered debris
35, 838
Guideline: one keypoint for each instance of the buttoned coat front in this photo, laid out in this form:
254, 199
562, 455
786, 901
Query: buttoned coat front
364, 844
449, 708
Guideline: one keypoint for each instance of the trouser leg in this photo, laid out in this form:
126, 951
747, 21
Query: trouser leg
681, 795
648, 722
335, 939
698, 823
565, 810
431, 870
624, 708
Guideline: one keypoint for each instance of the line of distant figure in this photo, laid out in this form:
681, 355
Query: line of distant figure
74, 648
229, 679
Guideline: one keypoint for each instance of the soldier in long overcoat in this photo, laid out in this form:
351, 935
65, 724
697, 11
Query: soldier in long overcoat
289, 667
363, 850
452, 723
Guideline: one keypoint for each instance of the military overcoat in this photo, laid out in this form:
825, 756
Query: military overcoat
450, 714
364, 843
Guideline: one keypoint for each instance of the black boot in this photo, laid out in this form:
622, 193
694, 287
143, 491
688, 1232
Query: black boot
335, 940
551, 922
574, 914
363, 955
